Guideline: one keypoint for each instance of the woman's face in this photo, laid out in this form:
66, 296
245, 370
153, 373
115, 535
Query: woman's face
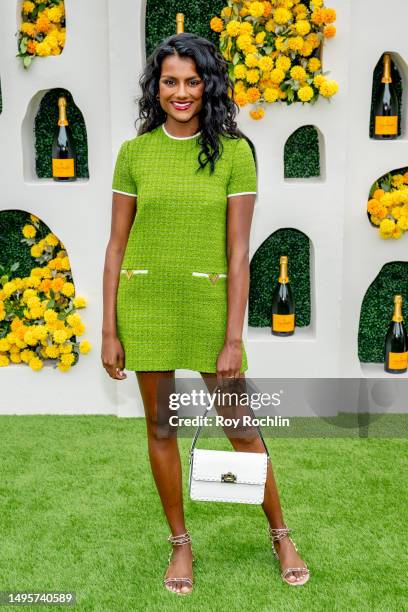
180, 82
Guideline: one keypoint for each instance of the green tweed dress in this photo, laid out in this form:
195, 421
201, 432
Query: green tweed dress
171, 308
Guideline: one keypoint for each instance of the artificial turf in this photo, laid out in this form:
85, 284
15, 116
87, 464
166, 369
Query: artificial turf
79, 512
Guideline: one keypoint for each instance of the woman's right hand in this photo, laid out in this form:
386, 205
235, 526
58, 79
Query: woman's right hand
113, 357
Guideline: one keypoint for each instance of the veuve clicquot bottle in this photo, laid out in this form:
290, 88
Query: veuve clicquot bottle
396, 342
386, 109
63, 151
283, 305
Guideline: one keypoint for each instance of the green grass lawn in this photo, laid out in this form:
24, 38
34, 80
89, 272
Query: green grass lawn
79, 511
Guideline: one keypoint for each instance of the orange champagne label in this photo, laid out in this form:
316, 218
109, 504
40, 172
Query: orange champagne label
63, 167
283, 323
398, 361
386, 125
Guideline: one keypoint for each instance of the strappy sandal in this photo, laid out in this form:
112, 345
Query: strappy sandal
277, 535
179, 540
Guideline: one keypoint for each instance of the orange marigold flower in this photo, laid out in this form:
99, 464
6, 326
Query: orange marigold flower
253, 94
329, 31
216, 24
378, 194
43, 24
329, 15
31, 46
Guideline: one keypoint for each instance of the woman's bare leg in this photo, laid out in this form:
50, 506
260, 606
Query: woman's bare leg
166, 467
271, 504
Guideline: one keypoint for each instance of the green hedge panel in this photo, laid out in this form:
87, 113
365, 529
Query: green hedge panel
396, 77
377, 308
301, 154
44, 129
264, 274
11, 249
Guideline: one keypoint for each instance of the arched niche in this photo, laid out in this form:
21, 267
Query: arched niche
384, 183
264, 273
13, 251
399, 74
161, 19
304, 155
38, 130
377, 308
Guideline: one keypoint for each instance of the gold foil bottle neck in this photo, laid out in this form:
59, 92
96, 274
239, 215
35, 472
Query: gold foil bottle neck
62, 105
179, 23
387, 69
283, 274
397, 316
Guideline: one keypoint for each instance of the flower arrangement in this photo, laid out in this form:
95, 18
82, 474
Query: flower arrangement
273, 48
38, 318
42, 30
387, 206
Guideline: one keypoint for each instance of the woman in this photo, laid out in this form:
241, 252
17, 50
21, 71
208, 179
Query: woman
183, 197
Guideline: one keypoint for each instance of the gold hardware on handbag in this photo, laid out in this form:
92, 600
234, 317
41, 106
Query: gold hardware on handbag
228, 477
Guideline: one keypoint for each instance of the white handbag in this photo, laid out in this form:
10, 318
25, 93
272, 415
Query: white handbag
227, 476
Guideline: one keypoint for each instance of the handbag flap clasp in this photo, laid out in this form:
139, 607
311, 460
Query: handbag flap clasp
228, 477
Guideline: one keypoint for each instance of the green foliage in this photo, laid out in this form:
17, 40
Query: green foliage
396, 77
161, 19
264, 273
11, 248
377, 308
301, 154
44, 130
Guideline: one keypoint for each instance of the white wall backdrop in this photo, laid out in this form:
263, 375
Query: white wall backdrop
100, 65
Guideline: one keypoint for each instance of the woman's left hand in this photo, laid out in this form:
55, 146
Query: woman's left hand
229, 360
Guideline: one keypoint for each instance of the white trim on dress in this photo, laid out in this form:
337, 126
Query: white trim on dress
241, 193
179, 137
134, 195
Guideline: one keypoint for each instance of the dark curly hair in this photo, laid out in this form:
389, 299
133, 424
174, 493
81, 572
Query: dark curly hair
217, 115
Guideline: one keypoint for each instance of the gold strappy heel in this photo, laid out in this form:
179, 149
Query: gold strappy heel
179, 540
277, 535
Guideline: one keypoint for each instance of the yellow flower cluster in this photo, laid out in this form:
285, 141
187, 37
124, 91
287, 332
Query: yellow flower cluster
389, 209
273, 48
42, 30
38, 318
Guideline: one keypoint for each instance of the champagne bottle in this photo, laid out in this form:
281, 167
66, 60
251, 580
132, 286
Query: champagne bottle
396, 341
179, 23
63, 152
386, 108
283, 305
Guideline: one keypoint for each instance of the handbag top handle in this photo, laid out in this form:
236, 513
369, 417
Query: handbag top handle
200, 426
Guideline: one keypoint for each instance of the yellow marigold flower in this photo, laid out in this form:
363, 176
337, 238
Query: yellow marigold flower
34, 219
52, 351
43, 49
283, 63
40, 332
57, 283
298, 73
15, 357
300, 8
306, 50
32, 301
61, 37
35, 251
397, 233
396, 212
402, 223
256, 9
270, 25
246, 27
67, 358
9, 288
29, 338
305, 94
239, 86
11, 337
281, 44
68, 289
266, 63
328, 88
85, 346
252, 76
50, 315
313, 39
60, 335
52, 41
282, 16
271, 94
257, 114
35, 364
51, 239
16, 324
241, 98
63, 367
28, 28
240, 71
28, 7
295, 43
317, 3
29, 231
277, 76
65, 348
329, 15
37, 272
318, 80
329, 31
251, 60
260, 37
253, 94
302, 27
397, 180
314, 64
387, 226
4, 345
26, 355
4, 361
243, 41
55, 14
233, 28
226, 11
216, 24
317, 17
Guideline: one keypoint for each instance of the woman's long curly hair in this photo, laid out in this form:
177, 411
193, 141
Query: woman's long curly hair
217, 115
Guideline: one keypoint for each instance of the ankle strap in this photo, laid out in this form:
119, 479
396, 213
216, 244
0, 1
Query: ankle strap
279, 533
178, 540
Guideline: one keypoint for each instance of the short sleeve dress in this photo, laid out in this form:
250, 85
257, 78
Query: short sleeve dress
171, 307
